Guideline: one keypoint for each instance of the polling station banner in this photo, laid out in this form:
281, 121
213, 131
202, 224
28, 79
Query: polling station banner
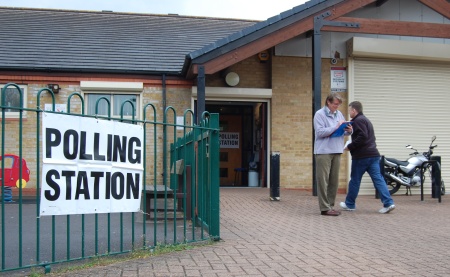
90, 166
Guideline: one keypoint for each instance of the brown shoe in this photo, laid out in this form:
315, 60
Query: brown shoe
330, 212
339, 212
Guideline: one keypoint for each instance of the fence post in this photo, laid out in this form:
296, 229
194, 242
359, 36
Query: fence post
214, 177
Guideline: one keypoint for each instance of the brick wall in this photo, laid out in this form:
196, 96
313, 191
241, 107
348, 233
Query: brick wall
177, 96
291, 111
252, 74
292, 119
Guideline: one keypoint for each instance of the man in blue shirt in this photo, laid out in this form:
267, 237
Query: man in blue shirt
327, 152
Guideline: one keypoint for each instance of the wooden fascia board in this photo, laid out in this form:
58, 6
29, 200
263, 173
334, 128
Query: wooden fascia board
440, 6
277, 37
391, 27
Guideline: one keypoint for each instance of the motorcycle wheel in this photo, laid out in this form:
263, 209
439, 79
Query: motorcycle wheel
393, 187
442, 188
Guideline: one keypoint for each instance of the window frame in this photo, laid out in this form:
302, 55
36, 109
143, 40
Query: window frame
111, 94
112, 88
16, 114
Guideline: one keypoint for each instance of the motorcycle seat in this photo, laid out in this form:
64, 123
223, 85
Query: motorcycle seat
398, 162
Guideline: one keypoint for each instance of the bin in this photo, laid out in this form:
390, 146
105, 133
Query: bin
253, 174
436, 178
253, 178
275, 176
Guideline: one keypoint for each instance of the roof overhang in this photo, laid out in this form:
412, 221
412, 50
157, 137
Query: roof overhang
299, 23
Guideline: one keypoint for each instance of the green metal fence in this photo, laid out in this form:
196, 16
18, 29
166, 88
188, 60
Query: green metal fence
180, 191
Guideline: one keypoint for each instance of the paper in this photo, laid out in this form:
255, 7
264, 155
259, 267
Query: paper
347, 143
340, 131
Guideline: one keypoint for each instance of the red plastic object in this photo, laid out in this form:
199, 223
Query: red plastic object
11, 170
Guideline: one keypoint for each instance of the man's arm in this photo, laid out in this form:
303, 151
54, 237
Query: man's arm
320, 125
360, 134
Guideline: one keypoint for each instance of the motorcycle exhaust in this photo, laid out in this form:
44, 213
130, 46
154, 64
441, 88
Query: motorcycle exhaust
398, 180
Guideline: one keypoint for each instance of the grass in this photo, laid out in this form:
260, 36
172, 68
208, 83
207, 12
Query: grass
111, 259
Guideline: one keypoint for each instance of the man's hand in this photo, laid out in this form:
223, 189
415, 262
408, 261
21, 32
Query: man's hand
349, 128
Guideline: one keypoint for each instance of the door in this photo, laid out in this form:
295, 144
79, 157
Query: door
405, 102
231, 171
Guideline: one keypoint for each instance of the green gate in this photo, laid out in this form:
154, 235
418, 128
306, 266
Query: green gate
180, 188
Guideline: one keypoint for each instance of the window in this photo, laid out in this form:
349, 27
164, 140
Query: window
9, 161
12, 99
116, 100
116, 93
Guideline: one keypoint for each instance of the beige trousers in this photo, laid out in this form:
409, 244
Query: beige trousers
327, 178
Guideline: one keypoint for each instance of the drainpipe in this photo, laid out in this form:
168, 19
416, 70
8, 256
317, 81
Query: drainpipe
317, 85
201, 87
164, 97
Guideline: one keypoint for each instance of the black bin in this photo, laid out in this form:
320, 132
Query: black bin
436, 177
275, 176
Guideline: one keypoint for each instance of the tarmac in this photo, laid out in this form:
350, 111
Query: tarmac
260, 237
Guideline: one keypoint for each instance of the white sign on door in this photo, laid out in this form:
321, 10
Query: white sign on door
229, 139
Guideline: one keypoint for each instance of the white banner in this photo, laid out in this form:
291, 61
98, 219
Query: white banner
90, 165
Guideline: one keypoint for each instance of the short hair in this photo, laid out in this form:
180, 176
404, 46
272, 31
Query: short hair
333, 96
356, 105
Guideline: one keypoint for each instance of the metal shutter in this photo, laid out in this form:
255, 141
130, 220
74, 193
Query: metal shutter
408, 102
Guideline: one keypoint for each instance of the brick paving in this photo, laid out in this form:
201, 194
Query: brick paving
260, 237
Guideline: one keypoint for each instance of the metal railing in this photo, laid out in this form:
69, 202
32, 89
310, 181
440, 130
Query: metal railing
181, 184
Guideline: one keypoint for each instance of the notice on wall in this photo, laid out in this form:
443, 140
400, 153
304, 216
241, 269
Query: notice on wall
338, 79
90, 166
229, 139
180, 121
60, 108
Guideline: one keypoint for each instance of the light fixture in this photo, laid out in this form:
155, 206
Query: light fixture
263, 56
232, 79
54, 88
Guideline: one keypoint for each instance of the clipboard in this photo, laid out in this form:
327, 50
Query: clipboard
341, 130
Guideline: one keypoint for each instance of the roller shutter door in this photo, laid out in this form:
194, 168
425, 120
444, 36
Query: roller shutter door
408, 102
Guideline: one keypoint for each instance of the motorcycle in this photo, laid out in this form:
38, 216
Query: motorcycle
409, 173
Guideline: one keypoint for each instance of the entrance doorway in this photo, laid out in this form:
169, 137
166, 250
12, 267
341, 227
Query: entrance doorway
242, 143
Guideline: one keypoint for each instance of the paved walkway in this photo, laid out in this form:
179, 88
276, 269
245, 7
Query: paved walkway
291, 238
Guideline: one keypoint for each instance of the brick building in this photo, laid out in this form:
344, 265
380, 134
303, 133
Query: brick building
265, 79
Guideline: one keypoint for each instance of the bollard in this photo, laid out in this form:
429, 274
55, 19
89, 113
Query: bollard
275, 176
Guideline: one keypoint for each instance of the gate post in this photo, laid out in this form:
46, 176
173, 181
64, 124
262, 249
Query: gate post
214, 177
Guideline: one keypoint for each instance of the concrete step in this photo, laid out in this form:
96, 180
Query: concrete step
162, 204
170, 215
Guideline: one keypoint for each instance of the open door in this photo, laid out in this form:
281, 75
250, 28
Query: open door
231, 150
243, 149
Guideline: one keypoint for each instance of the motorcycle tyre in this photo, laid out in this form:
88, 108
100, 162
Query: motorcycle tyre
393, 187
442, 188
